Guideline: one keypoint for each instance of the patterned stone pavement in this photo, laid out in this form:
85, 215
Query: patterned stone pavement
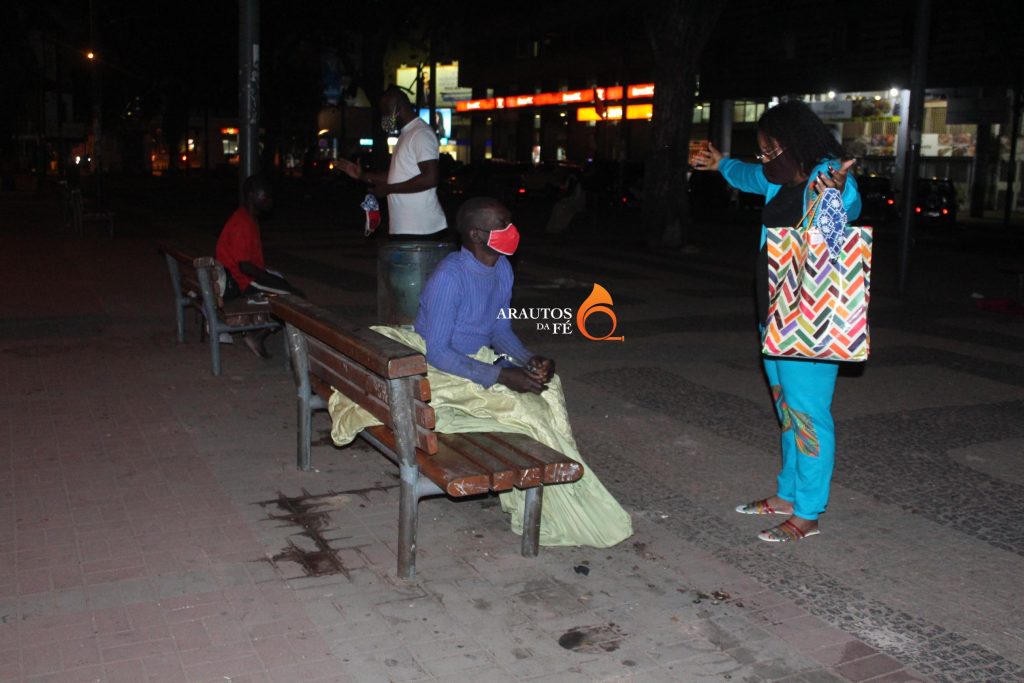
141, 539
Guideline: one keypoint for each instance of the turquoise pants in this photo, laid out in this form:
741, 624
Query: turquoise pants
802, 391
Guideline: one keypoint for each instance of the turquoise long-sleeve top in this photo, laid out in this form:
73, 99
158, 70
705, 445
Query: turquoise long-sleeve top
749, 177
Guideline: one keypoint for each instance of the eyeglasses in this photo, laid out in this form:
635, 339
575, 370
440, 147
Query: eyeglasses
768, 156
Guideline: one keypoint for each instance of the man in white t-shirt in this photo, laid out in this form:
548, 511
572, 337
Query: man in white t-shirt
411, 181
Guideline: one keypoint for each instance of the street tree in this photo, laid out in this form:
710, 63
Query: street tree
678, 31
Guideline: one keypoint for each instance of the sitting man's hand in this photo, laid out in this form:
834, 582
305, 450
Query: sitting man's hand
541, 369
520, 380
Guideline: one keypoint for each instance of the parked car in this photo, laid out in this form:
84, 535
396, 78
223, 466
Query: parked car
935, 201
622, 185
613, 183
549, 177
502, 180
878, 201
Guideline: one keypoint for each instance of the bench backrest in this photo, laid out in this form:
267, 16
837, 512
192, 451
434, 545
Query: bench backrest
189, 266
362, 364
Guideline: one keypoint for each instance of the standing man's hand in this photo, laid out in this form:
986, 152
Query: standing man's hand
520, 380
351, 169
707, 160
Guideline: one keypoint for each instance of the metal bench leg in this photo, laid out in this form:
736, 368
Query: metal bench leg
531, 521
215, 349
180, 318
287, 353
180, 301
305, 417
210, 313
408, 506
401, 403
295, 347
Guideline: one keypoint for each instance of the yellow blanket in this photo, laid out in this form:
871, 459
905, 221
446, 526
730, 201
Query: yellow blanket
581, 513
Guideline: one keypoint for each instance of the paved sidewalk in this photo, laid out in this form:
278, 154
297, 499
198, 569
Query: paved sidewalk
150, 514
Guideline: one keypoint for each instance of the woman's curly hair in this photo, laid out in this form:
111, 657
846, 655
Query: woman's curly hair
801, 133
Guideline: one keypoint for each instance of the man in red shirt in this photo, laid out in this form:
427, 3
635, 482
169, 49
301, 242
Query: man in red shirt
240, 239
240, 251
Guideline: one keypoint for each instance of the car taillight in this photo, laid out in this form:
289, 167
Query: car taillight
522, 190
917, 209
625, 199
945, 212
890, 202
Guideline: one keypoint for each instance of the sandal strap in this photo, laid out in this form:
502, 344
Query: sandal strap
792, 530
758, 507
785, 532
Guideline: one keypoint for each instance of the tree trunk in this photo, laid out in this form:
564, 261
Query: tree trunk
375, 45
678, 31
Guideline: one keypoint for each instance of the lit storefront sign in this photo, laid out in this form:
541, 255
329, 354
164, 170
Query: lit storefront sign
614, 113
610, 94
638, 91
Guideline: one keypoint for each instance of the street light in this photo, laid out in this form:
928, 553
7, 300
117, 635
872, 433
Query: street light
90, 55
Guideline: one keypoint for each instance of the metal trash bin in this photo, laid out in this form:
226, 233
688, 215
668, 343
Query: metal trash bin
402, 271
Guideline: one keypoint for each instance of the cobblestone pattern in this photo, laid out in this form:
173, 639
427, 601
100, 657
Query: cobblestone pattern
902, 356
906, 321
957, 496
929, 648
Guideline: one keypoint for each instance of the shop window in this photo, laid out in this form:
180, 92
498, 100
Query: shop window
870, 138
747, 112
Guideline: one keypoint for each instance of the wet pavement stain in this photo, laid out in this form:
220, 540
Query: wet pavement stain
592, 639
320, 562
311, 513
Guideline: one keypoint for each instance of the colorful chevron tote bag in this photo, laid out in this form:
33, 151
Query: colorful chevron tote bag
819, 276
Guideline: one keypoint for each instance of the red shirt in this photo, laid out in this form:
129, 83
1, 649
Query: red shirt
240, 241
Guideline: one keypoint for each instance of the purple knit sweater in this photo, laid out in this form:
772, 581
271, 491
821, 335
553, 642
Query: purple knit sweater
458, 314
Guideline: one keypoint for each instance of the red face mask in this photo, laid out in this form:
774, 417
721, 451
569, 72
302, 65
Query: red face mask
504, 241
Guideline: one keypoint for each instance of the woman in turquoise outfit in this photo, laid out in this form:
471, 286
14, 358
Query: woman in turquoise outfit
798, 159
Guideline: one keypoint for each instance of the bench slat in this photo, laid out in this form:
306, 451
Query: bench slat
186, 267
384, 356
177, 252
557, 468
426, 439
456, 475
529, 471
369, 382
237, 312
503, 475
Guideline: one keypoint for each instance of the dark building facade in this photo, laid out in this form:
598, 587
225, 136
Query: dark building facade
852, 61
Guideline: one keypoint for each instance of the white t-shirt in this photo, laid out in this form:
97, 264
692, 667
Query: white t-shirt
416, 213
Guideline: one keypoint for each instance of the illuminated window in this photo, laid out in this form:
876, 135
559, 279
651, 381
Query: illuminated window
747, 112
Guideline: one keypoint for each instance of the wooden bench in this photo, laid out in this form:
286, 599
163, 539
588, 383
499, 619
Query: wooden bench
80, 216
1016, 271
195, 283
389, 380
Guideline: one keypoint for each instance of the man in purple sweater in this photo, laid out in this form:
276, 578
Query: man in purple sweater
461, 302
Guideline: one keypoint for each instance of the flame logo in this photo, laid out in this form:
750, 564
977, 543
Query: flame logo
599, 301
